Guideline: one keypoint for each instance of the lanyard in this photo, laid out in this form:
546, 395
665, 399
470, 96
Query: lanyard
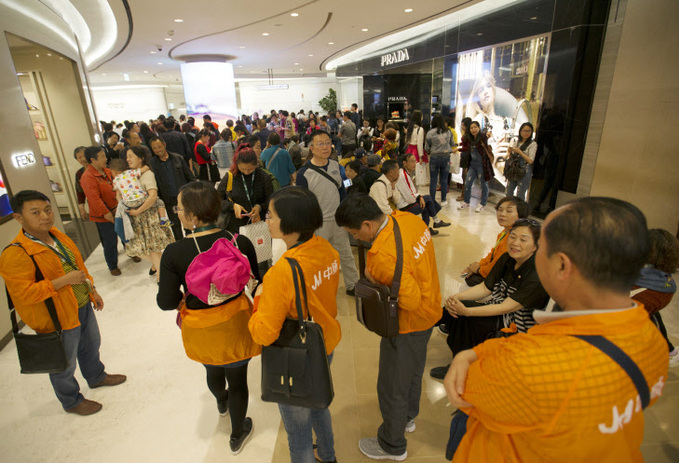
504, 232
245, 187
63, 255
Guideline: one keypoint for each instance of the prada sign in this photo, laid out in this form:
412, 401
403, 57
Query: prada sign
395, 57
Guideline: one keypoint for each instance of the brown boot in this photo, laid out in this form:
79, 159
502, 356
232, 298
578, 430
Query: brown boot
110, 380
86, 407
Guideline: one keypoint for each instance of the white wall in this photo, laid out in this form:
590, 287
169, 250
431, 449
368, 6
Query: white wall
350, 91
301, 94
129, 103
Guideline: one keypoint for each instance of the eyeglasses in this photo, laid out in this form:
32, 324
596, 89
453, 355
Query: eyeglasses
323, 145
176, 209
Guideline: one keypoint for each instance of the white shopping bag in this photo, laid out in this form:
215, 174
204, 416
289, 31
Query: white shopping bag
258, 234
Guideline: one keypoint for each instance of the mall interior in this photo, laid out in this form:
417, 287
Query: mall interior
590, 75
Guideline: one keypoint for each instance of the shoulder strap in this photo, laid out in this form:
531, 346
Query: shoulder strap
324, 174
298, 278
229, 181
48, 302
272, 157
398, 271
625, 362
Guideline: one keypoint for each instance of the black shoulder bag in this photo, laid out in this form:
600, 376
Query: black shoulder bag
295, 368
377, 304
40, 352
325, 174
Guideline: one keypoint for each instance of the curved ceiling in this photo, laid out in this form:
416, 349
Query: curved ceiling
260, 37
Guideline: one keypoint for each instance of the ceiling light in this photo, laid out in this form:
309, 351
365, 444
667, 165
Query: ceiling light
126, 76
311, 55
179, 20
331, 43
265, 34
294, 15
103, 73
533, 18
37, 56
301, 69
408, 10
364, 30
49, 54
240, 66
160, 63
154, 52
480, 34
241, 47
146, 72
168, 39
296, 64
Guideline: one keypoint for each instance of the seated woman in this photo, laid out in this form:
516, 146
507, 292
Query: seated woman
352, 171
214, 335
294, 215
515, 292
411, 200
249, 193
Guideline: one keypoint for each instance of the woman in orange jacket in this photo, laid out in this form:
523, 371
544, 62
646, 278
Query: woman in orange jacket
214, 335
294, 214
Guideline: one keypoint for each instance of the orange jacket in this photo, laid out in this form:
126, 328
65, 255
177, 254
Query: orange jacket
18, 271
420, 295
487, 263
219, 335
547, 396
320, 265
99, 191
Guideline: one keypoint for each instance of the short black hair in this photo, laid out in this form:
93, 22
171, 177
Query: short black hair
532, 225
299, 211
207, 116
354, 105
606, 238
117, 164
79, 149
389, 165
226, 134
354, 165
664, 254
253, 140
347, 114
92, 152
317, 133
273, 139
16, 202
295, 138
201, 199
356, 209
522, 207
155, 138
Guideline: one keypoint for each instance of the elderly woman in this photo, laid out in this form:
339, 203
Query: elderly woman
294, 215
214, 335
150, 238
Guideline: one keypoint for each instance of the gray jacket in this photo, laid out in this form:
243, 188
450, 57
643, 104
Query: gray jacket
439, 144
347, 133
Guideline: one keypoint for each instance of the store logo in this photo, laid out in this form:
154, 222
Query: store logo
23, 159
396, 57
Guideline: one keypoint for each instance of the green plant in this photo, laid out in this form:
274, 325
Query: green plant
329, 101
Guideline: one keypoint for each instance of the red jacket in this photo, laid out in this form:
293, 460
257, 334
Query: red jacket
99, 191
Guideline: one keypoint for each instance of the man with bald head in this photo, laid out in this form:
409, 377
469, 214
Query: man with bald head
574, 386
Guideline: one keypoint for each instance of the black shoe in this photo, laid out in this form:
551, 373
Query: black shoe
433, 232
443, 329
237, 444
441, 224
136, 259
152, 271
351, 292
439, 372
223, 405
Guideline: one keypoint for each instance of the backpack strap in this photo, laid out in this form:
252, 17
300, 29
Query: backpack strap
229, 182
324, 174
625, 362
273, 157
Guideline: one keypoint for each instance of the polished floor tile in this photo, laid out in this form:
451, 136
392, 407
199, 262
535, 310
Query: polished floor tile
165, 413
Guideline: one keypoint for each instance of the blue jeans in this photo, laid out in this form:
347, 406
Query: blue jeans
299, 422
109, 241
439, 167
474, 172
431, 208
523, 184
81, 343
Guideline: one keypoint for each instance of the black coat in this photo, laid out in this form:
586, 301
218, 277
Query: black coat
182, 176
260, 193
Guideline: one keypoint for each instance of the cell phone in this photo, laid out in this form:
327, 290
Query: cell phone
90, 287
347, 183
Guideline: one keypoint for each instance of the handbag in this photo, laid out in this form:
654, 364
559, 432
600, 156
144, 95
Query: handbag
421, 174
377, 304
40, 352
295, 368
258, 234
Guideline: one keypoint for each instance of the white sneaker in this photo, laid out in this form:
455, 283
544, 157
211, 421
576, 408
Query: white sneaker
479, 208
444, 203
410, 426
464, 206
674, 359
371, 449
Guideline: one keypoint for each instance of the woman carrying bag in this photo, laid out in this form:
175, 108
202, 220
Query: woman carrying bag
294, 215
207, 166
214, 332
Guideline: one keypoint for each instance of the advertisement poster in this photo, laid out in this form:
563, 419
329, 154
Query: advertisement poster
5, 210
501, 87
209, 88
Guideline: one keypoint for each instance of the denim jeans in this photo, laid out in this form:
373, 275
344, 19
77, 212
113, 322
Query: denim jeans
109, 241
473, 173
523, 184
81, 343
439, 167
431, 208
299, 422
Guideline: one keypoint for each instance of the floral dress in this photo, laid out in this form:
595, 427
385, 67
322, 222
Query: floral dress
149, 235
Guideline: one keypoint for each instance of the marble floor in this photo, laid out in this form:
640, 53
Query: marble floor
165, 413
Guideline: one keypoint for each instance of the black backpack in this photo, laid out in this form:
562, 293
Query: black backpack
515, 166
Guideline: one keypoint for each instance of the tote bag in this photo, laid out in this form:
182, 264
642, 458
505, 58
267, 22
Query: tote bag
258, 234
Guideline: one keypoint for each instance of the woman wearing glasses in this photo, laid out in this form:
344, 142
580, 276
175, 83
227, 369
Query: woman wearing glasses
514, 289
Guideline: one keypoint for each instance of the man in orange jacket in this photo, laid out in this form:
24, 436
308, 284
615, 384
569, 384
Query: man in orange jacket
562, 392
402, 358
68, 283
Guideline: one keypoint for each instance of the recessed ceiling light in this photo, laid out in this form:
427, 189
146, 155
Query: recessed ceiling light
168, 39
146, 72
241, 47
408, 10
311, 55
294, 15
331, 43
534, 18
240, 66
480, 34
37, 56
265, 34
103, 73
296, 64
160, 63
179, 20
364, 30
49, 54
301, 69
126, 76
154, 52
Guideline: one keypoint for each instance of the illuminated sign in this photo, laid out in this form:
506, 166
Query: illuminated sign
23, 159
395, 57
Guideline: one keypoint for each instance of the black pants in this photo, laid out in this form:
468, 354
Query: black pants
237, 394
170, 203
467, 332
109, 242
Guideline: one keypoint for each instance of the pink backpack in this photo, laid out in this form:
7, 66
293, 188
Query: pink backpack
219, 273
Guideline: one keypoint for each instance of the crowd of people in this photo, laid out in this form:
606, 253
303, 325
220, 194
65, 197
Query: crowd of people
526, 371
